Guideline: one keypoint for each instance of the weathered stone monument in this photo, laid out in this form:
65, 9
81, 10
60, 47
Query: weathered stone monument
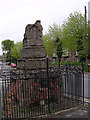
32, 60
31, 76
33, 52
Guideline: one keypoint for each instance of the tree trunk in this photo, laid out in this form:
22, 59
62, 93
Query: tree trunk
72, 56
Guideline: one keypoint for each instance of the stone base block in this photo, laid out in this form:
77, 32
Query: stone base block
31, 64
32, 52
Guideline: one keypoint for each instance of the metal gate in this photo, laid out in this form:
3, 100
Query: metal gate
33, 93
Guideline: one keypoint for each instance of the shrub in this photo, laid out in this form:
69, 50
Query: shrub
86, 68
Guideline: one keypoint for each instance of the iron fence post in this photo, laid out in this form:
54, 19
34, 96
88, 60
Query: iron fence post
83, 80
0, 107
59, 62
48, 85
47, 65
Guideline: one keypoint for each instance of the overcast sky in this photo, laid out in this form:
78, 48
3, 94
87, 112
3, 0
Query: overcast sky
16, 14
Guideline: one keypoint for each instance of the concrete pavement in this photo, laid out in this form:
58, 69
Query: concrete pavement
77, 112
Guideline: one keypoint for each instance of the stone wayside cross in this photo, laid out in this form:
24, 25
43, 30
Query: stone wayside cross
32, 54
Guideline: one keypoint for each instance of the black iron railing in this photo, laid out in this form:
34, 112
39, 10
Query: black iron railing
30, 93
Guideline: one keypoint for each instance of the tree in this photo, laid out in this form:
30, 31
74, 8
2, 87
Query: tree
50, 39
74, 33
88, 51
6, 47
16, 49
59, 49
49, 45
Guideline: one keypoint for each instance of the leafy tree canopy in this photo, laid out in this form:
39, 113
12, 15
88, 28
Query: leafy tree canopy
72, 36
7, 45
73, 30
49, 39
88, 40
49, 44
16, 49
